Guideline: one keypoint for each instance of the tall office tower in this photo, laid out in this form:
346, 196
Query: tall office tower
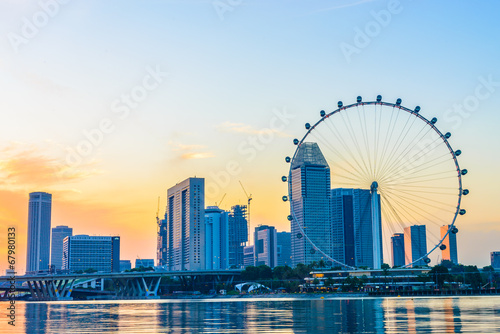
284, 249
56, 253
238, 235
161, 242
450, 253
39, 215
248, 256
266, 242
82, 252
310, 202
185, 224
216, 238
495, 260
415, 244
398, 249
352, 230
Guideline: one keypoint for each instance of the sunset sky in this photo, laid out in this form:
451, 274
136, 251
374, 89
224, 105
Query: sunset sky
106, 104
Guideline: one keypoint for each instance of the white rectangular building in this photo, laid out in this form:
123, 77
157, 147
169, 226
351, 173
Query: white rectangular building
185, 224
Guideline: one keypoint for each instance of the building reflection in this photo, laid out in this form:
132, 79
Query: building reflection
453, 324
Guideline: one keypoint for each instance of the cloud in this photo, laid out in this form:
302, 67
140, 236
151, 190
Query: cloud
189, 156
242, 128
191, 151
27, 167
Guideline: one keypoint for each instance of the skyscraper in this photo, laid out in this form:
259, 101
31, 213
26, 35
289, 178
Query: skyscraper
58, 235
39, 216
248, 256
82, 252
238, 235
352, 230
450, 253
495, 260
284, 249
415, 242
310, 202
398, 249
161, 242
185, 227
216, 238
266, 240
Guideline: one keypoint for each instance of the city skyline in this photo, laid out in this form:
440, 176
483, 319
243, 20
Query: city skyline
61, 85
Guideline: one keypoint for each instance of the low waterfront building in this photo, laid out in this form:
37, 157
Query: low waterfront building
83, 252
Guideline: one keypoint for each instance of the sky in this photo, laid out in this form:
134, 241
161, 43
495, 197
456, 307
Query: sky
108, 104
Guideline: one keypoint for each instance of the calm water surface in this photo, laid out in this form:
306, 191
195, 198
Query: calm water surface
254, 315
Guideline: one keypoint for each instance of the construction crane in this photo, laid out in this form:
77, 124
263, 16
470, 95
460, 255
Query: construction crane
249, 198
220, 202
157, 213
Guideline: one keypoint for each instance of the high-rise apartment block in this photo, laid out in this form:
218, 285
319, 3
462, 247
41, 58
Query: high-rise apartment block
184, 226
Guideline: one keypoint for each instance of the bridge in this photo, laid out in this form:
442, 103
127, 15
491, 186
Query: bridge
127, 285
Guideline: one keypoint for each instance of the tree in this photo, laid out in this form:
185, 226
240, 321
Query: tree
439, 274
250, 273
90, 271
265, 272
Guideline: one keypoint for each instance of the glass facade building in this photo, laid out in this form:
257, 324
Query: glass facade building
415, 244
238, 235
56, 253
284, 249
310, 203
352, 230
39, 220
451, 252
398, 250
216, 238
82, 252
266, 242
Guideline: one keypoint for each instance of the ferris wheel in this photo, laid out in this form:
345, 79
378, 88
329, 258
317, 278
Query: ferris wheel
394, 160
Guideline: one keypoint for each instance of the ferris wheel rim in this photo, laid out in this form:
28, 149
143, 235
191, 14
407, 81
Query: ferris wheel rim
415, 113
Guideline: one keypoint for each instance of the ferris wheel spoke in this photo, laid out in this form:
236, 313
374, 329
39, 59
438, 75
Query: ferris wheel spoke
364, 134
410, 145
422, 178
336, 152
399, 141
406, 159
354, 160
420, 181
350, 130
443, 159
389, 131
433, 200
403, 200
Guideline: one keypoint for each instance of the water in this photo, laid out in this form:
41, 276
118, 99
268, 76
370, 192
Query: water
260, 315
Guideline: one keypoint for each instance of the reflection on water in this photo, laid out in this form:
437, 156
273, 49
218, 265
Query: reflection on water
364, 315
